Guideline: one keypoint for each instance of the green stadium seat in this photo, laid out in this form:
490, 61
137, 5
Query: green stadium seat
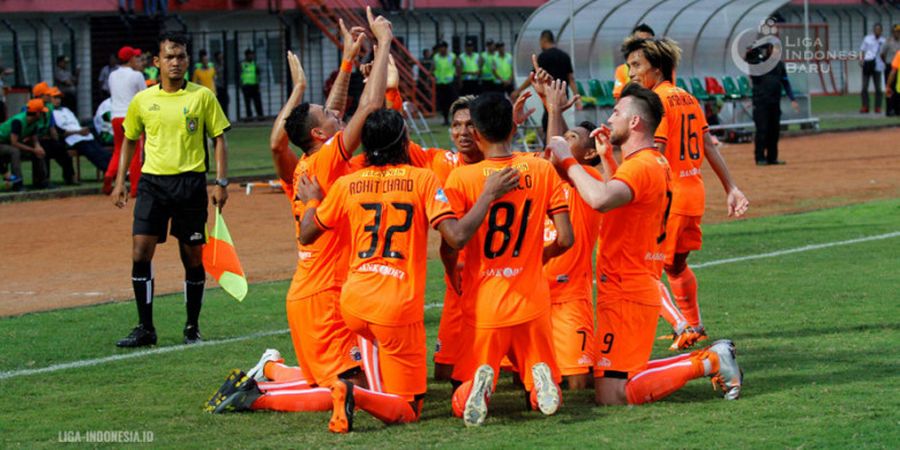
680, 83
744, 85
731, 88
608, 100
586, 100
698, 90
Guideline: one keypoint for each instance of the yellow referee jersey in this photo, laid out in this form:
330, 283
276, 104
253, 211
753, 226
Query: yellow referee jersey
175, 126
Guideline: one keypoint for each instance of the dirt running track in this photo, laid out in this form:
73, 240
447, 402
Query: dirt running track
76, 251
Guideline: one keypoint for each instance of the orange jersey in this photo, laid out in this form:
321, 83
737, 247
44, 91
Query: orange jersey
682, 130
322, 264
439, 161
632, 234
387, 212
570, 274
505, 252
622, 78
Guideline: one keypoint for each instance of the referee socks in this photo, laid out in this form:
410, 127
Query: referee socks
142, 282
194, 287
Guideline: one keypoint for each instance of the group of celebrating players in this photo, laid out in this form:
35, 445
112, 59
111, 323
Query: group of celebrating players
518, 233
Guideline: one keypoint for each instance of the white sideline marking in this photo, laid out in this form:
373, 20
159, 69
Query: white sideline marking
175, 348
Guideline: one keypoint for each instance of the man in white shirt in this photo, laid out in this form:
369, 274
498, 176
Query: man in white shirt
872, 67
76, 136
103, 122
124, 84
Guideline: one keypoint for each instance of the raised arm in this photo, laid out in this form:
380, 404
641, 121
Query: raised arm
284, 159
600, 195
352, 41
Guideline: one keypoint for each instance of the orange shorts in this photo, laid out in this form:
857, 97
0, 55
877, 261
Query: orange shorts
625, 334
683, 235
324, 345
526, 344
447, 349
465, 366
573, 336
396, 361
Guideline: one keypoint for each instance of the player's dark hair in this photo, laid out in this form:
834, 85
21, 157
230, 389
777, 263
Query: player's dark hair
643, 28
173, 37
492, 116
460, 104
384, 138
298, 126
202, 53
646, 104
547, 35
587, 125
663, 54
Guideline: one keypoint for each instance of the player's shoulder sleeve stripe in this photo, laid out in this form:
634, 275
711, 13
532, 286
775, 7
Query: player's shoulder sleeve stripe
319, 222
660, 139
340, 143
442, 217
558, 209
628, 185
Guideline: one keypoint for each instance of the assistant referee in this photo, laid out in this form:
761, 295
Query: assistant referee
176, 117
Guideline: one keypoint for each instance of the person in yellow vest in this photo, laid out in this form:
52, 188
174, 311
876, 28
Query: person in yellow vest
205, 72
470, 69
642, 31
250, 84
503, 69
444, 77
488, 81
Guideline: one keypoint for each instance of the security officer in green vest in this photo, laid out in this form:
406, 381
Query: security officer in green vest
250, 84
19, 140
151, 72
488, 81
444, 76
503, 68
470, 69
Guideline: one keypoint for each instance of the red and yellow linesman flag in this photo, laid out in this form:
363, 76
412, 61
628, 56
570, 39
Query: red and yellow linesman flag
221, 261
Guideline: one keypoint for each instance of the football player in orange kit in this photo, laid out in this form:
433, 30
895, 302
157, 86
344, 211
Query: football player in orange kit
509, 306
326, 349
683, 137
388, 207
635, 203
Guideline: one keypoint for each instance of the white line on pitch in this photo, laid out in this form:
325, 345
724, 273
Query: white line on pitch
175, 348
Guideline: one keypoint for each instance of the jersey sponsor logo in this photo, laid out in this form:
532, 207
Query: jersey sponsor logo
521, 167
303, 256
355, 354
503, 272
440, 196
689, 173
549, 231
382, 269
392, 172
657, 256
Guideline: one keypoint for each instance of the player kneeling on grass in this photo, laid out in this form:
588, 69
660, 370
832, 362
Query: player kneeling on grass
510, 301
388, 206
635, 202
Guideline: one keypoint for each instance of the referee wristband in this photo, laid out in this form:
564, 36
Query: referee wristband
312, 203
346, 66
568, 162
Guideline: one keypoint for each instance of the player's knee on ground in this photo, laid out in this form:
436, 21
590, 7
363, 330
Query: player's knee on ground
577, 382
610, 389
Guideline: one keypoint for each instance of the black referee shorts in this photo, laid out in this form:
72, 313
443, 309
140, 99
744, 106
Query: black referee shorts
181, 198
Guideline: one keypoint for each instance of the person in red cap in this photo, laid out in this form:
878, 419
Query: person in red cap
18, 139
124, 84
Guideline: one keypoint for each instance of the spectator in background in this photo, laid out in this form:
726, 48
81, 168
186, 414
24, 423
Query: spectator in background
49, 138
872, 67
767, 106
124, 84
469, 64
150, 71
250, 84
4, 71
66, 81
103, 123
503, 69
18, 139
445, 77
558, 64
104, 74
75, 136
205, 72
488, 81
891, 46
221, 86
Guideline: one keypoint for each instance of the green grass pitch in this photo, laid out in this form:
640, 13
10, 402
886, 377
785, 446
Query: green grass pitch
817, 334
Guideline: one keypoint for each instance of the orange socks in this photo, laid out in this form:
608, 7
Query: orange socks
668, 310
292, 400
277, 371
654, 384
684, 289
388, 408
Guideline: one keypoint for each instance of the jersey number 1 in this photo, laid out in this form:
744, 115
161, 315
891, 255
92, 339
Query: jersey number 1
689, 139
389, 234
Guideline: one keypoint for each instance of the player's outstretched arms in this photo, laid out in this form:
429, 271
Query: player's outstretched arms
352, 41
737, 201
284, 159
600, 195
310, 193
565, 237
458, 232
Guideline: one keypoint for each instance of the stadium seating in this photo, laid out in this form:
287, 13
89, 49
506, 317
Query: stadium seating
680, 83
586, 100
714, 88
744, 84
698, 90
731, 88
